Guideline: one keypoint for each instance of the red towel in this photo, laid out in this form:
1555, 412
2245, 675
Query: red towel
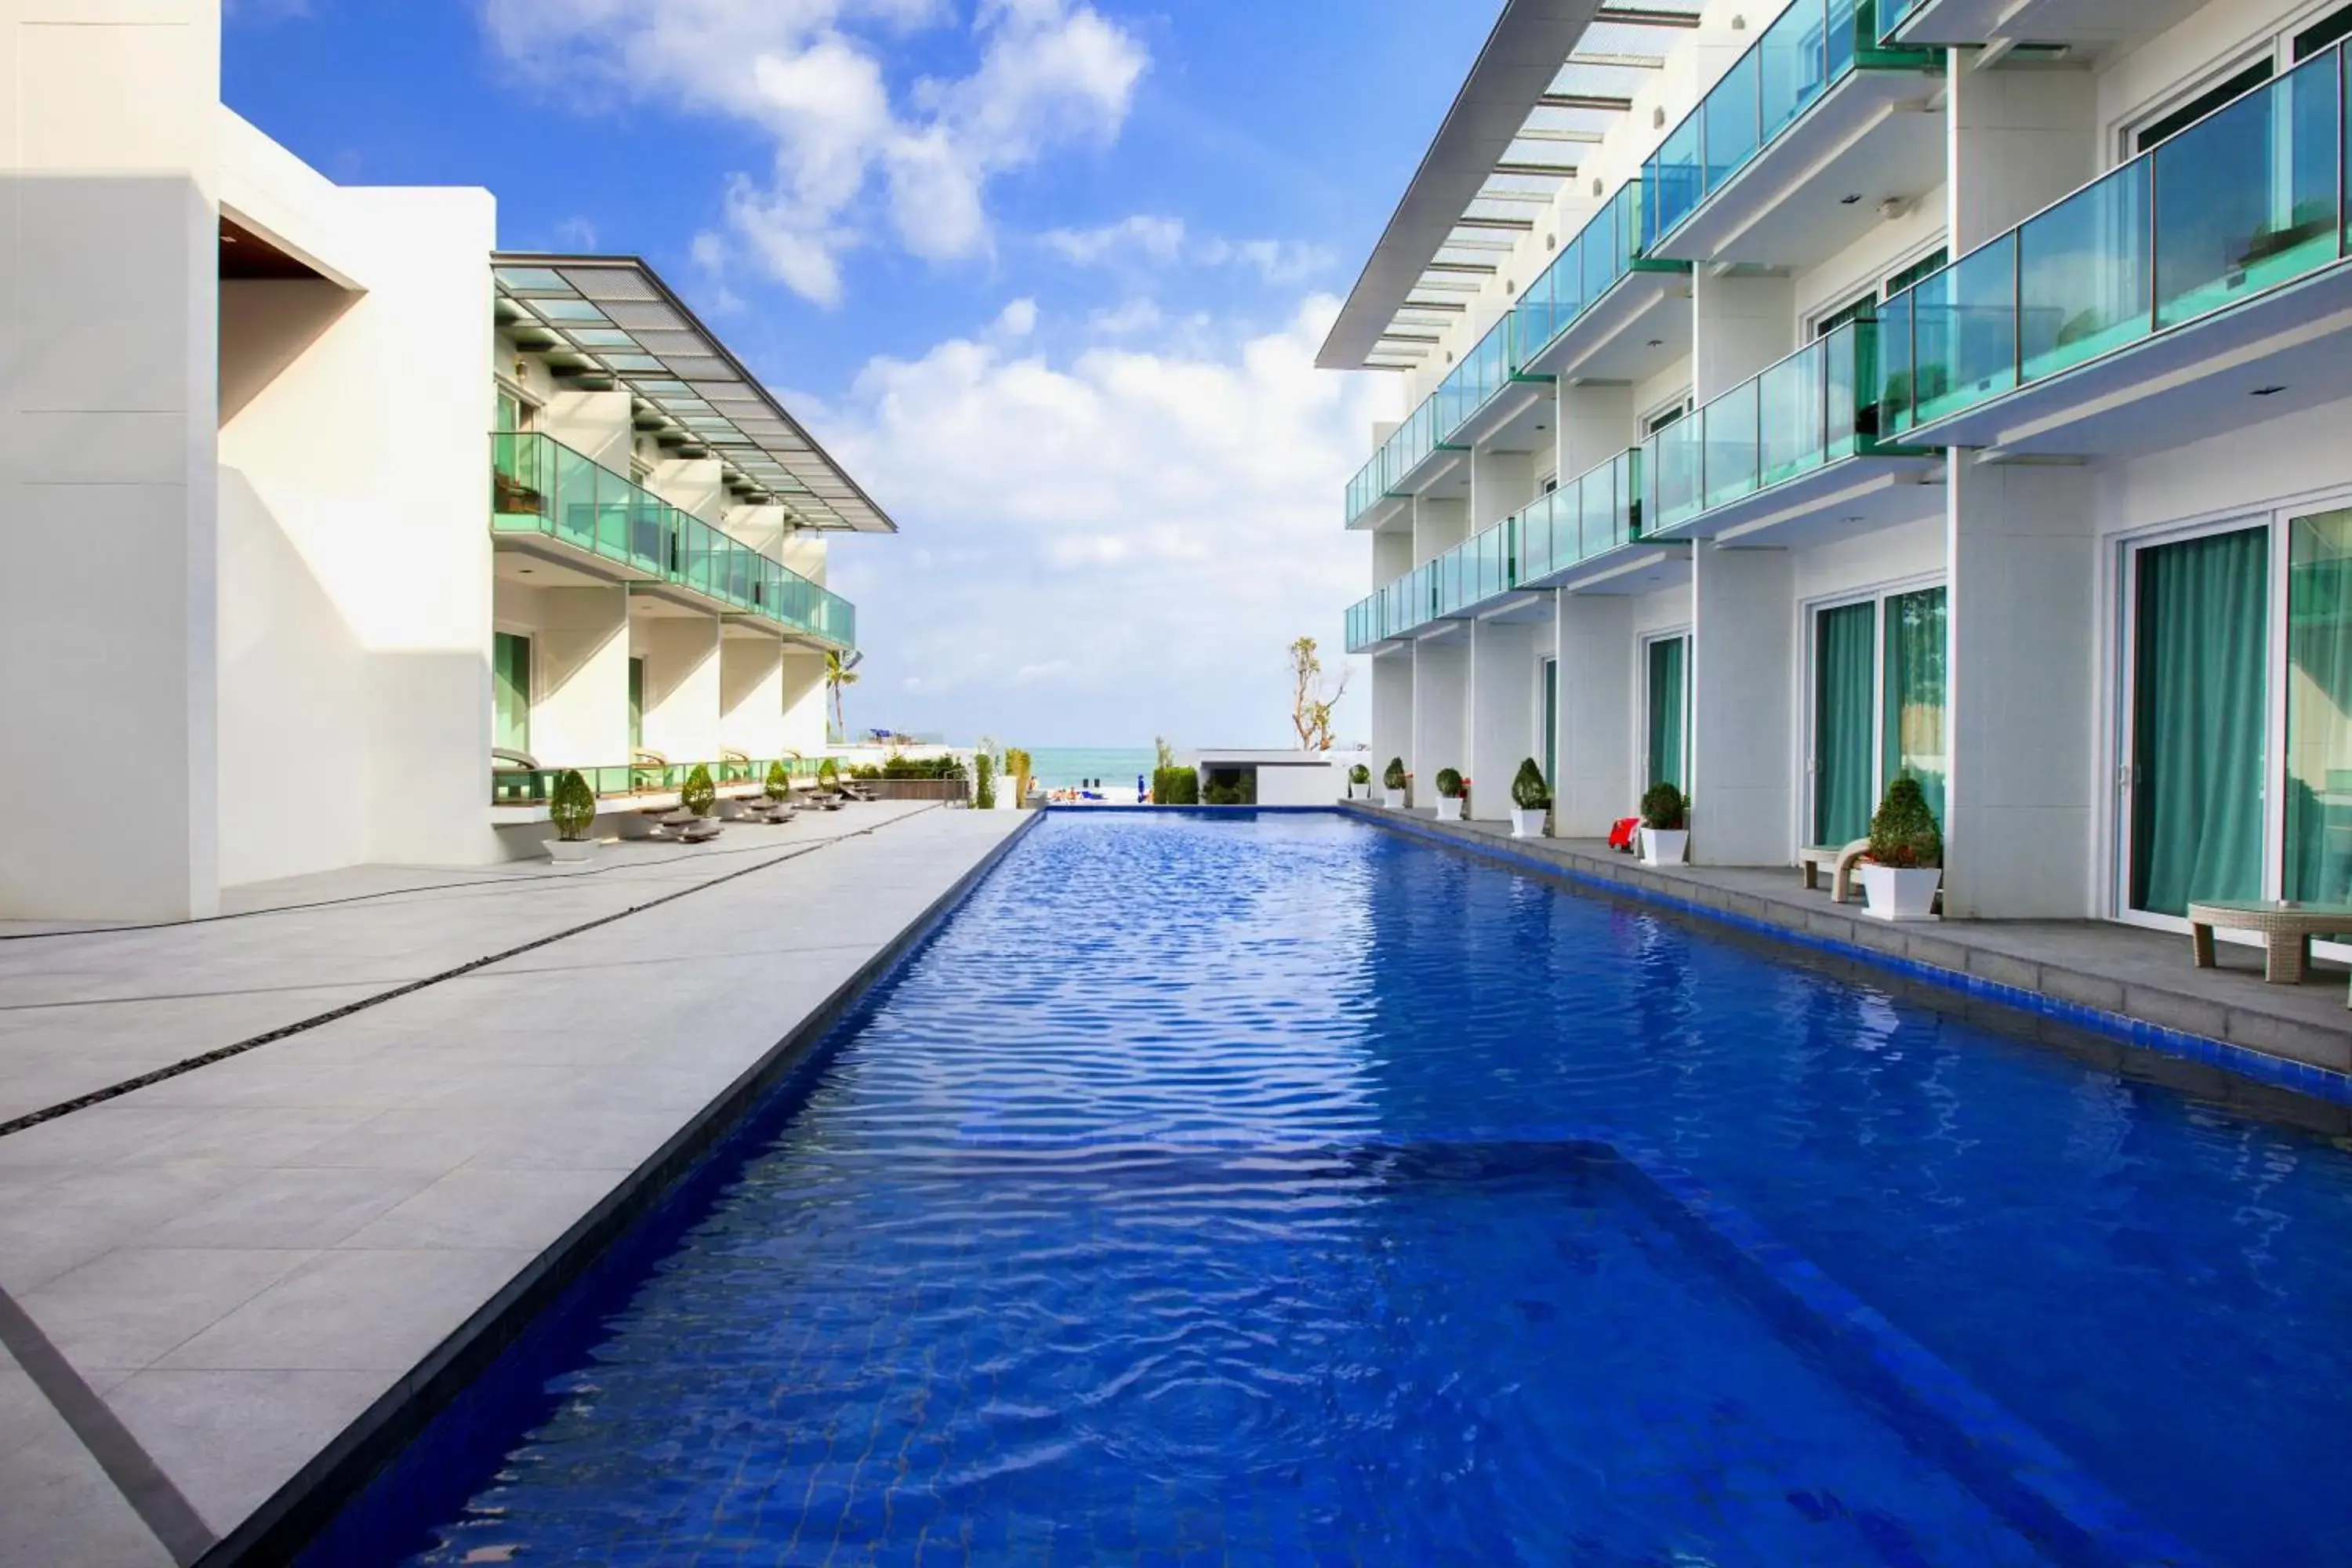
1621, 836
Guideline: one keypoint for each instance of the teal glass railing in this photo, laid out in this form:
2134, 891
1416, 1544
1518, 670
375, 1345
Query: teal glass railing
536, 786
538, 484
1484, 372
1589, 516
1893, 14
1806, 412
1611, 244
1814, 45
2245, 201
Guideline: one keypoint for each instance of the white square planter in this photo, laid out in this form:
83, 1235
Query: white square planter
571, 851
1393, 799
1664, 845
1449, 808
1526, 823
1897, 894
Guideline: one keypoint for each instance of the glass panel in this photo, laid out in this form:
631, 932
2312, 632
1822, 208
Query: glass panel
1964, 332
1844, 661
1673, 177
1729, 428
1848, 363
1666, 704
2083, 274
1895, 410
1790, 399
1676, 463
1729, 124
1913, 725
511, 691
636, 704
2198, 717
1845, 19
2319, 709
2247, 199
1793, 59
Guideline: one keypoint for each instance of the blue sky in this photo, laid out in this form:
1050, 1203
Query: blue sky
1048, 275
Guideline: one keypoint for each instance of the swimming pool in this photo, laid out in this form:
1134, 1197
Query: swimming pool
1278, 1189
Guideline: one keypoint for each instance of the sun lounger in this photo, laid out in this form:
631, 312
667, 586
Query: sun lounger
1839, 859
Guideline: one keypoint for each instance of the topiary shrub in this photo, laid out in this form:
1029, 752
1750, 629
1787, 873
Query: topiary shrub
1175, 786
1360, 775
1528, 791
828, 774
1904, 834
1395, 776
698, 796
780, 784
984, 785
1450, 783
572, 807
1664, 808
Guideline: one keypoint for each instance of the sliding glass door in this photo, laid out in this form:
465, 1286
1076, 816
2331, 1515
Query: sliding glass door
2319, 709
510, 691
1550, 685
1845, 688
1667, 701
1911, 730
2200, 715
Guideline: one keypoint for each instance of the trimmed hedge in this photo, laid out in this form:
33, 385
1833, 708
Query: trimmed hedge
1175, 786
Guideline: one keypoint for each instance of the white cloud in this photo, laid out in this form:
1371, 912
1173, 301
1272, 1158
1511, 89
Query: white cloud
1017, 319
1141, 236
806, 73
1277, 261
1143, 239
1127, 319
1102, 547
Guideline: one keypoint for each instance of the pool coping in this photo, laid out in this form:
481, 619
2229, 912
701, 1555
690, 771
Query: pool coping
282, 1526
1629, 882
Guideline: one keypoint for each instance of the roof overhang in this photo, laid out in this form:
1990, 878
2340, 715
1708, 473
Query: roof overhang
1553, 78
614, 322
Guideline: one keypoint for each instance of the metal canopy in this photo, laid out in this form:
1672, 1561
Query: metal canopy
1553, 78
612, 318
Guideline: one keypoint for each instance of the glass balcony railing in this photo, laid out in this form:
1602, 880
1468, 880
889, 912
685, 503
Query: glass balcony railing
1893, 14
538, 484
1611, 245
536, 786
2247, 200
1584, 518
1484, 372
1814, 45
1806, 412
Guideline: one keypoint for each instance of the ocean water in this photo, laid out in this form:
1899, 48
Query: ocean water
1369, 1205
1061, 767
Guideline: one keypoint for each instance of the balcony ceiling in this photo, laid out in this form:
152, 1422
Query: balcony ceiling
2094, 24
1554, 76
612, 316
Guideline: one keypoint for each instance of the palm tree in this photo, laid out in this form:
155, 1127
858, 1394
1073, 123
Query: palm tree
837, 675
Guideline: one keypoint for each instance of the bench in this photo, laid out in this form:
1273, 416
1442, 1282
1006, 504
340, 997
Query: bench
2286, 926
1839, 860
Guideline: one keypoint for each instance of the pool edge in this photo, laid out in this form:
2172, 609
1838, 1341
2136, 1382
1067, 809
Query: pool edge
283, 1525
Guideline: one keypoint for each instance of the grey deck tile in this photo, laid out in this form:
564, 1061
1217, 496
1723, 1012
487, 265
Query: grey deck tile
231, 1438
303, 1208
519, 1211
354, 1309
129, 1307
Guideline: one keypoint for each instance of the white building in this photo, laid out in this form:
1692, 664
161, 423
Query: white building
313, 499
1796, 393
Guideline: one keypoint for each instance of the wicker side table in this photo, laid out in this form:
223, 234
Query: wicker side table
2286, 927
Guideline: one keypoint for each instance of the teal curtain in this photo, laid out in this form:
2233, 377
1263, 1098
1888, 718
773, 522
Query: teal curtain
1914, 722
637, 705
2199, 716
2319, 709
511, 691
1846, 659
1666, 706
1551, 723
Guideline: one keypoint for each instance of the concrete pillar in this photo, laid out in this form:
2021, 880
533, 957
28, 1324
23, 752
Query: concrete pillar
1596, 423
1441, 713
751, 692
1596, 784
2017, 140
593, 424
2023, 802
1392, 556
109, 480
1393, 709
1500, 484
1506, 717
690, 484
1743, 325
681, 684
808, 707
1437, 526
580, 660
1743, 714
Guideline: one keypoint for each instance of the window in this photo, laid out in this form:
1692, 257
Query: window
1878, 681
1867, 302
510, 692
2330, 29
2203, 105
1666, 703
511, 411
636, 706
1666, 416
1927, 266
2319, 709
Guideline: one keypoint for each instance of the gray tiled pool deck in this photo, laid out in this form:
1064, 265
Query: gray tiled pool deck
229, 1275
2129, 972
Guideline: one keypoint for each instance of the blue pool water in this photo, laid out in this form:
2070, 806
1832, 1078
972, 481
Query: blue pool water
1280, 1190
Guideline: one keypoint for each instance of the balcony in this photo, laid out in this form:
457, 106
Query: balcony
2197, 289
1452, 412
2093, 23
1788, 159
642, 782
1604, 301
1796, 445
1588, 518
541, 490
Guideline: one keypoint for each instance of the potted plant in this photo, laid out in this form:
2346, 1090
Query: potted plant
1360, 777
1905, 862
828, 776
572, 809
779, 785
1665, 835
1396, 784
699, 795
1453, 790
984, 781
1530, 798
